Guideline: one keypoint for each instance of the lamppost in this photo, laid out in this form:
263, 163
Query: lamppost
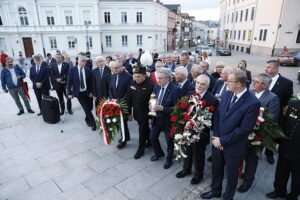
87, 36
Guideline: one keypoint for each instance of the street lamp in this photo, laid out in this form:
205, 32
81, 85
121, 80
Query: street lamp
87, 36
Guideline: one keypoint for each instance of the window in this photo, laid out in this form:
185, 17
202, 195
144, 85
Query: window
53, 44
123, 17
236, 16
69, 18
1, 23
249, 35
228, 18
234, 35
265, 35
23, 16
260, 34
50, 18
230, 35
239, 35
139, 17
107, 17
89, 42
241, 16
108, 40
124, 40
244, 34
87, 17
232, 16
2, 44
139, 40
71, 42
246, 14
298, 37
252, 13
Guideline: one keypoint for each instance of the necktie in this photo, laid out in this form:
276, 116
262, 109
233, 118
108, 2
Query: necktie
161, 95
101, 71
81, 79
232, 102
38, 69
117, 80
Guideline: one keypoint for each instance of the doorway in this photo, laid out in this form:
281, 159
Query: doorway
28, 47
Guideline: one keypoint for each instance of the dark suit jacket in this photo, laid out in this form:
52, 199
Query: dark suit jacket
172, 68
169, 99
234, 127
54, 74
41, 77
217, 87
73, 84
101, 85
128, 66
186, 90
123, 83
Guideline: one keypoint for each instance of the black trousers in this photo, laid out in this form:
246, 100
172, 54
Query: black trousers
86, 103
231, 165
144, 132
158, 127
251, 162
61, 92
195, 154
39, 92
284, 169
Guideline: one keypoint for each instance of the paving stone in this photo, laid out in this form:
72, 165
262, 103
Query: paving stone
75, 193
54, 157
105, 163
16, 186
83, 146
80, 160
111, 194
6, 163
146, 195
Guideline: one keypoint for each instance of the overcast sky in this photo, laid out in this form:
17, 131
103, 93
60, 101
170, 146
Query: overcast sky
201, 9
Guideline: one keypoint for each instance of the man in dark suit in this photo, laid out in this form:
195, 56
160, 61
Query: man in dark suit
270, 101
101, 80
288, 163
234, 121
59, 71
281, 86
49, 59
130, 62
220, 86
196, 152
185, 87
39, 75
169, 63
80, 86
119, 84
184, 60
205, 66
166, 94
138, 97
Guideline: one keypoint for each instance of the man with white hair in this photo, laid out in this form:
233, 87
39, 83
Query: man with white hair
169, 63
220, 86
205, 66
130, 62
185, 87
195, 72
80, 85
196, 152
100, 80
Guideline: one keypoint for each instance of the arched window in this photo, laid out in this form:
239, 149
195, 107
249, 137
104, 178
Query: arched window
23, 16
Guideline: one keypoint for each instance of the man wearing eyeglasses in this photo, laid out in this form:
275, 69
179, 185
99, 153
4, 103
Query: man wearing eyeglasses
270, 101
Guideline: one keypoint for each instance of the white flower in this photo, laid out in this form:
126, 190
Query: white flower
108, 121
176, 147
186, 134
114, 120
256, 143
251, 136
178, 136
110, 129
146, 59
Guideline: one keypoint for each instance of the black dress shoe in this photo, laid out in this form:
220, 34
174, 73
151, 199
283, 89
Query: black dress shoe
70, 112
30, 111
89, 124
39, 114
209, 159
168, 164
182, 174
274, 195
138, 154
210, 195
196, 180
62, 113
121, 145
94, 127
270, 160
243, 188
20, 112
155, 157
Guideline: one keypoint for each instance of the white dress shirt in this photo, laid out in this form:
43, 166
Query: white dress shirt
274, 80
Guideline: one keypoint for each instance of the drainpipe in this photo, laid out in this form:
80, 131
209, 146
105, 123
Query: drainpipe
278, 27
39, 24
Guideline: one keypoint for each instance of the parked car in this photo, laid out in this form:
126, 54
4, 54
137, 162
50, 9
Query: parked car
204, 48
291, 58
221, 51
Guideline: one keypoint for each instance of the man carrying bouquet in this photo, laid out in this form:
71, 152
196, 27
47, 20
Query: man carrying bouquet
137, 97
196, 151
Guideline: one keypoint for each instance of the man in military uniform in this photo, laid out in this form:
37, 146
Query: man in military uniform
289, 157
137, 97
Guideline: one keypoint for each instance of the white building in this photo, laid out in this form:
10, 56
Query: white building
121, 26
260, 26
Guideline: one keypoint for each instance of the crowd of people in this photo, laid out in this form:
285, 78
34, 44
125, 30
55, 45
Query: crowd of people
171, 77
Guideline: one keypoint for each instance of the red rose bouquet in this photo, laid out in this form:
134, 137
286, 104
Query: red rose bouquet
110, 118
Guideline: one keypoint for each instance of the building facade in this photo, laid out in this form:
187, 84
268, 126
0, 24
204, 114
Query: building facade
260, 26
98, 26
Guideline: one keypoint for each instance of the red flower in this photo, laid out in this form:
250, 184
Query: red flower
178, 104
103, 111
173, 119
171, 135
187, 117
118, 112
112, 106
109, 113
212, 109
183, 105
258, 138
98, 111
203, 103
174, 128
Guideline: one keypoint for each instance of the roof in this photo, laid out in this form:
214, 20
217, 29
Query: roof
173, 7
210, 23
